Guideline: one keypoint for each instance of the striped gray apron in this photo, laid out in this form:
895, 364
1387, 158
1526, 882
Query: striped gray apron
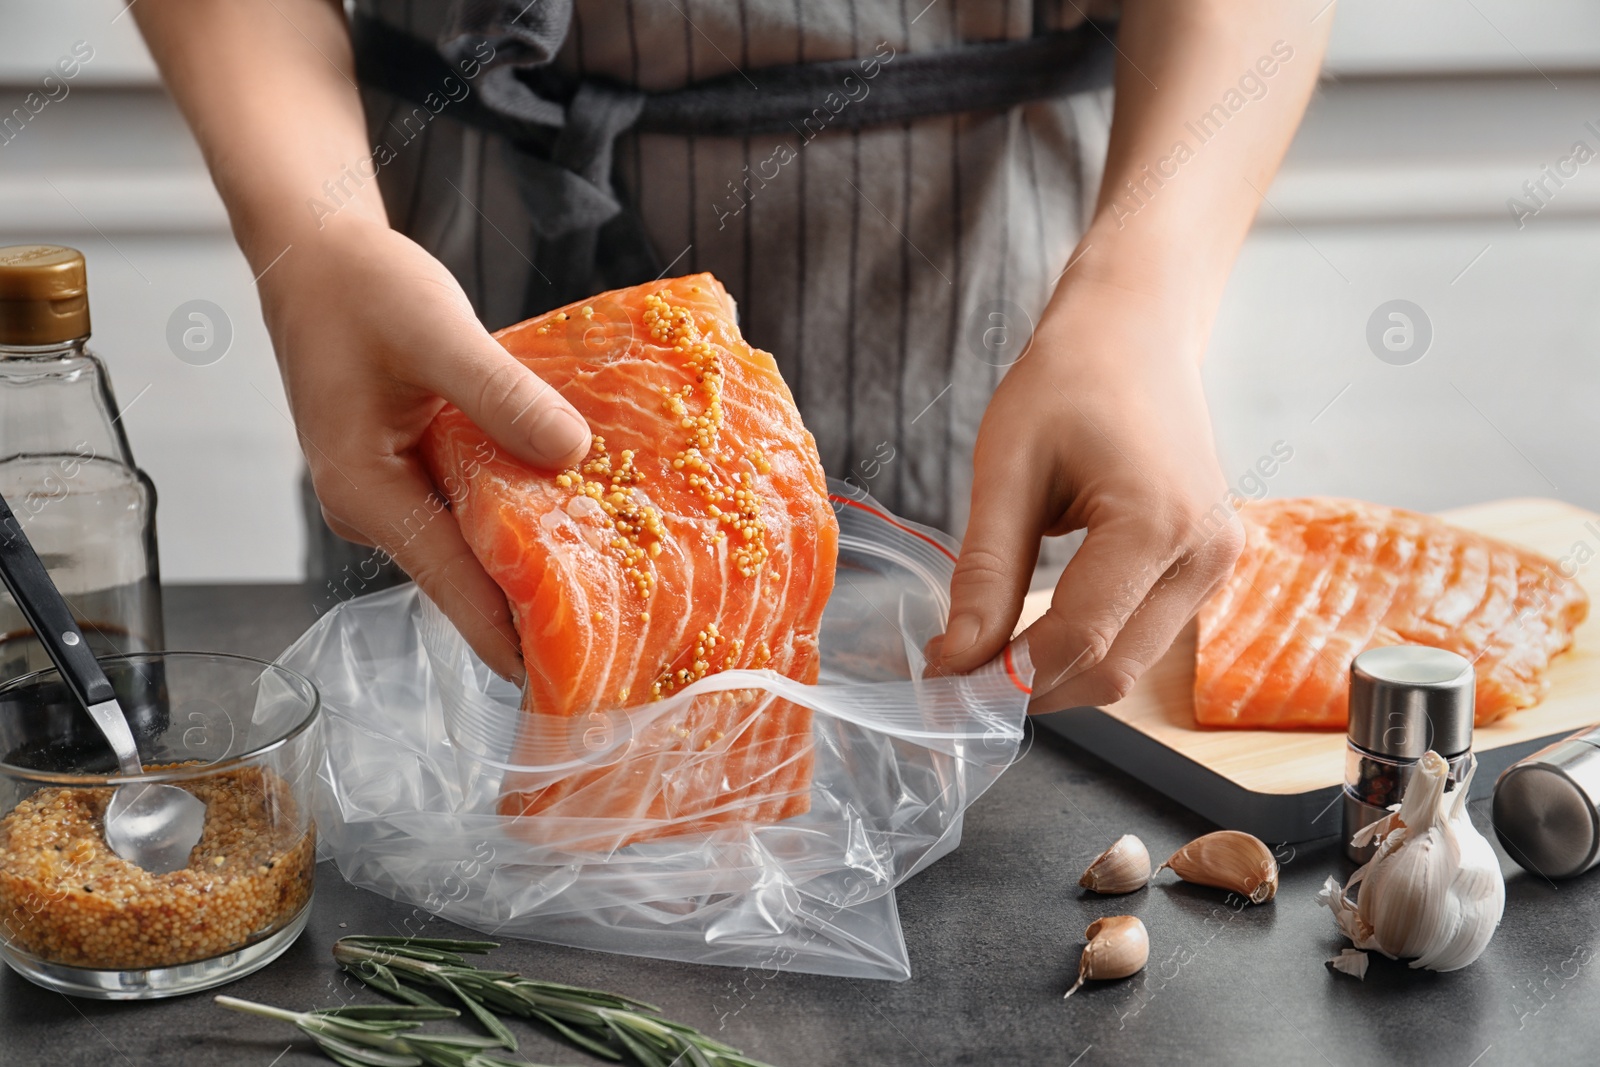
895, 268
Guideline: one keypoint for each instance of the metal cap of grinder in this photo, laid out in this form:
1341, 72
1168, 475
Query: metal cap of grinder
1547, 807
1404, 701
1408, 699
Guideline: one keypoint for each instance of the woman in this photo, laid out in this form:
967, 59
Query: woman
971, 332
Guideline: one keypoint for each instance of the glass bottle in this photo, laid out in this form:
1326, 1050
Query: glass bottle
65, 465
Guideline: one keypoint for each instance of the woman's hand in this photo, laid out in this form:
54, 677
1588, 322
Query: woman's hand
373, 335
1100, 426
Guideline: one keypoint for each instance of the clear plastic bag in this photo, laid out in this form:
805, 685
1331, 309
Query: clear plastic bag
420, 738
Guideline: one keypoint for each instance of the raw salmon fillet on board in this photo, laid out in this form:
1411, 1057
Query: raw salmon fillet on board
1322, 580
695, 537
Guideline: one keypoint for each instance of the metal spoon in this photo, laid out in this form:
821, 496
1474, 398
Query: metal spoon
153, 826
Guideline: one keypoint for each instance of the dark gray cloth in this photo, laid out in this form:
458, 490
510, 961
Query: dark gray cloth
561, 137
523, 34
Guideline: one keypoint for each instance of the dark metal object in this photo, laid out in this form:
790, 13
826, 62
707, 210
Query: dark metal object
1409, 699
1547, 807
1405, 700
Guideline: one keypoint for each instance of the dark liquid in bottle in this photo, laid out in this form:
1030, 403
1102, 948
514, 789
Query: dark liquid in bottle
138, 602
44, 726
89, 519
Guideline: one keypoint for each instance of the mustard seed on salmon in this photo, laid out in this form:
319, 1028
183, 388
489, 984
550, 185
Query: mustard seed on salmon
68, 899
696, 536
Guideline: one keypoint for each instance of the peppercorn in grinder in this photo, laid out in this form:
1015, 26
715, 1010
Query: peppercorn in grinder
1405, 700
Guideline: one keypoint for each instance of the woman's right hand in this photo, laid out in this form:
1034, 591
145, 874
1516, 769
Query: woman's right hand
373, 335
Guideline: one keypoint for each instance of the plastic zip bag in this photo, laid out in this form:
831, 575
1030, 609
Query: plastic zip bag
421, 738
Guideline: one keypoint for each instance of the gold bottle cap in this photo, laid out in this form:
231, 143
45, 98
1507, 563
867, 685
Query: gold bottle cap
44, 295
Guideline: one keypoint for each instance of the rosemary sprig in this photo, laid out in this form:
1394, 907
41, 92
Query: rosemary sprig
382, 1035
605, 1024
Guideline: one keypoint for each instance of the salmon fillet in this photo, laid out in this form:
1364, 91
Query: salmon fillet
696, 537
1323, 580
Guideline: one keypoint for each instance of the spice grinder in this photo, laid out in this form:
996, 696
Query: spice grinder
1547, 807
1405, 700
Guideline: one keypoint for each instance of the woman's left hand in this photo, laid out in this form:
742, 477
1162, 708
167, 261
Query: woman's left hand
1101, 426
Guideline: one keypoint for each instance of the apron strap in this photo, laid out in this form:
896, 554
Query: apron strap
805, 98
562, 133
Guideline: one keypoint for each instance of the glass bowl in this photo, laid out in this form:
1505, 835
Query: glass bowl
74, 917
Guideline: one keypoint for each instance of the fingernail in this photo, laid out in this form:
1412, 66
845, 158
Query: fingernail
558, 432
960, 635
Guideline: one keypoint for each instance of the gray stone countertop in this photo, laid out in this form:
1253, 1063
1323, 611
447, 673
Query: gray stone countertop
994, 933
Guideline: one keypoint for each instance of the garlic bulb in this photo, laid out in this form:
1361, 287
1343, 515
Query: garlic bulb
1228, 859
1118, 946
1122, 868
1432, 892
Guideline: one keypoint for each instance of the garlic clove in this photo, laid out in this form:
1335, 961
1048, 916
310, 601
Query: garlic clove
1118, 946
1403, 898
1228, 859
1122, 868
1352, 962
1481, 890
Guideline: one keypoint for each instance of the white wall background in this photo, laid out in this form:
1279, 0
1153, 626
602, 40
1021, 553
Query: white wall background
1397, 189
1433, 113
111, 169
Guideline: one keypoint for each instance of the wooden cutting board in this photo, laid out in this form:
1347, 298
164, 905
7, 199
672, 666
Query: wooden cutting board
1284, 785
